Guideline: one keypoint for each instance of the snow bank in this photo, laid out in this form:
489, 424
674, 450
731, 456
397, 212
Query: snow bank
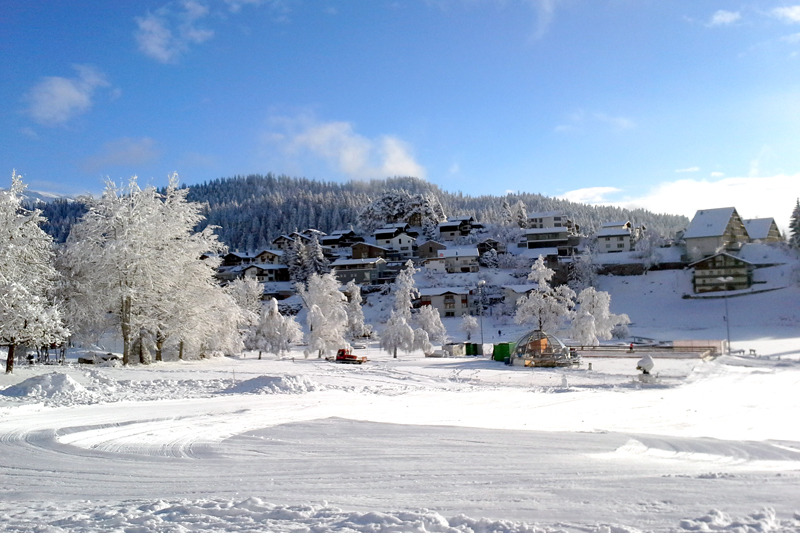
255, 515
274, 385
57, 387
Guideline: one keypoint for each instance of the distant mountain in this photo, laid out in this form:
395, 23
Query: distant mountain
250, 211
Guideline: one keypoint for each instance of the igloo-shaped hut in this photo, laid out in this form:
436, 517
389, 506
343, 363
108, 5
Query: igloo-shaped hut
538, 348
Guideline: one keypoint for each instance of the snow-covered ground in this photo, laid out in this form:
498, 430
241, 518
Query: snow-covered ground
424, 444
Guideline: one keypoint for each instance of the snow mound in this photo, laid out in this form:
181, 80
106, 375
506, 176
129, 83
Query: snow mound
254, 515
56, 386
763, 521
274, 385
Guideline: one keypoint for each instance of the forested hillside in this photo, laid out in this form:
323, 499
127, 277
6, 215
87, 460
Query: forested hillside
252, 210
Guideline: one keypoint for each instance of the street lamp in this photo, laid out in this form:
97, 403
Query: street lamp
481, 283
726, 280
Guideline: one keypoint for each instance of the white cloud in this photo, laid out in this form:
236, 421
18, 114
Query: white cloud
167, 34
724, 18
56, 100
789, 14
123, 152
346, 151
717, 174
590, 195
690, 169
580, 121
769, 196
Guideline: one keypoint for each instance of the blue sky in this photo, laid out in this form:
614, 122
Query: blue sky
670, 105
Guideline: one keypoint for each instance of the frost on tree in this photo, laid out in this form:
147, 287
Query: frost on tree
355, 314
405, 291
594, 319
397, 334
27, 275
545, 308
274, 333
794, 226
469, 325
399, 206
133, 264
327, 313
430, 321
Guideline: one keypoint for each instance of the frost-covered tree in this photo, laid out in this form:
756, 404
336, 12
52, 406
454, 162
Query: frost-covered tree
133, 263
794, 226
521, 214
405, 291
313, 260
294, 262
400, 206
430, 321
545, 307
582, 272
397, 334
327, 314
274, 333
27, 276
489, 259
647, 249
355, 314
594, 319
247, 292
506, 214
469, 325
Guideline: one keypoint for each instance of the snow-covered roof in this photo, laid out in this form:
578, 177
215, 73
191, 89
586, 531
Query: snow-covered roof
520, 289
364, 261
709, 222
438, 291
449, 224
544, 214
617, 224
537, 231
371, 245
459, 252
264, 266
703, 260
460, 219
430, 241
536, 252
269, 251
612, 232
758, 228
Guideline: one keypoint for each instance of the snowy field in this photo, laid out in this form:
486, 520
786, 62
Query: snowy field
423, 444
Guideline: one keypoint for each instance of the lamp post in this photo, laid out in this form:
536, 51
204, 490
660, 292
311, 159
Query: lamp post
727, 279
481, 283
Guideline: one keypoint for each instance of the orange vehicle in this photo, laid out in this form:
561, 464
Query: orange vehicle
345, 356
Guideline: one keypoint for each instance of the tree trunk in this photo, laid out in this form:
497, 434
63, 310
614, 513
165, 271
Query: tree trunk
180, 350
159, 346
10, 359
259, 355
395, 352
126, 331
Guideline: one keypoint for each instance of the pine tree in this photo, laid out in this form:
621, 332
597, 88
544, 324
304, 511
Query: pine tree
27, 277
405, 291
521, 214
794, 226
327, 315
355, 314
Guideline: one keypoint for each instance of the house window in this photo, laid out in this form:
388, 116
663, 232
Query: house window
449, 313
621, 245
607, 238
449, 305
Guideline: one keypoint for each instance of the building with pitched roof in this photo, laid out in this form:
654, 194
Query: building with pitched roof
714, 230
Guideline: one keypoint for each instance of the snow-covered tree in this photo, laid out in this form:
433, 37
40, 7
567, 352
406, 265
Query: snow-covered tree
582, 272
794, 226
355, 314
489, 259
405, 291
430, 321
400, 206
327, 315
27, 277
397, 334
133, 263
594, 319
274, 332
469, 325
506, 214
294, 262
247, 292
521, 214
545, 307
647, 249
313, 260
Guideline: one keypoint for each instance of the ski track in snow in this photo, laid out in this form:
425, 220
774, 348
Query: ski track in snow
185, 447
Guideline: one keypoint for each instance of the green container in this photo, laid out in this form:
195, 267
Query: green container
470, 348
501, 351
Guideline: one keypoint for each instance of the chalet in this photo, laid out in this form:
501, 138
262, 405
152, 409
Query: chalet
491, 244
283, 242
512, 293
397, 240
714, 230
614, 237
279, 290
430, 249
460, 260
457, 227
435, 264
548, 219
362, 271
365, 250
762, 230
450, 301
237, 258
340, 239
722, 272
266, 272
269, 256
